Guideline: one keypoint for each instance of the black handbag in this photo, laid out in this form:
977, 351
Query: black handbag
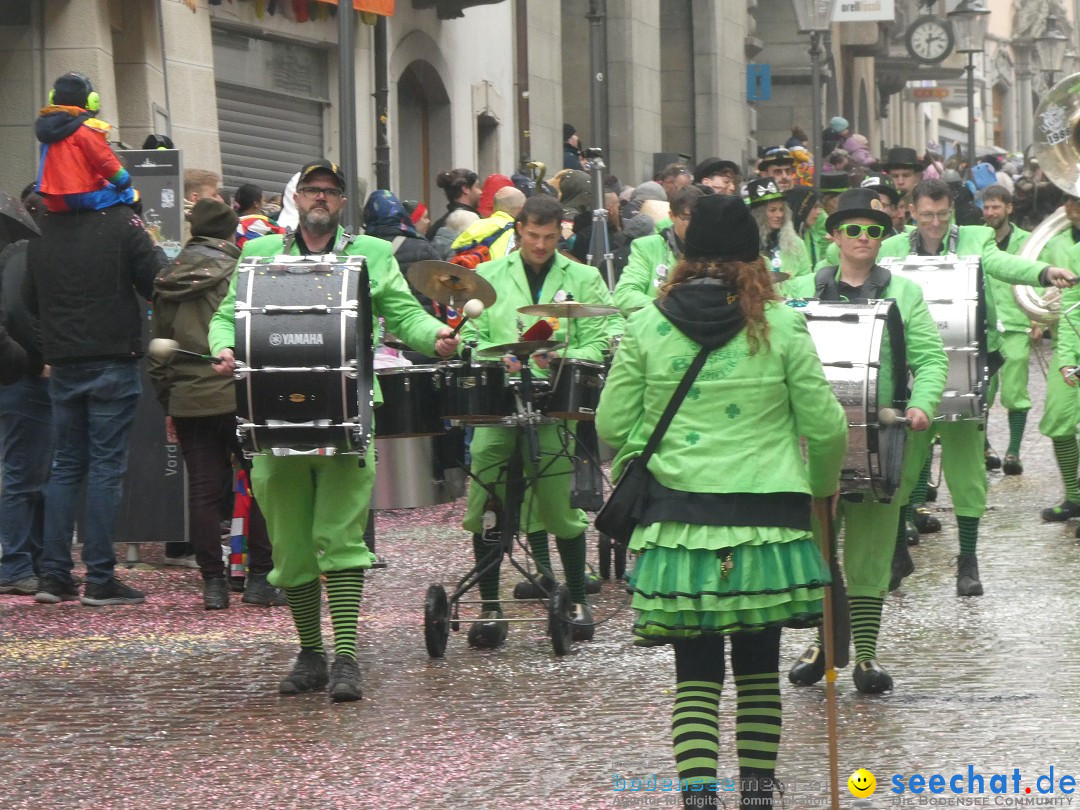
619, 515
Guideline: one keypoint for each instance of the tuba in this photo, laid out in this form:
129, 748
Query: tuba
1057, 148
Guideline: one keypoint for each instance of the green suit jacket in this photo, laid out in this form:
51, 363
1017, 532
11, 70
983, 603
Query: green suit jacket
1010, 318
925, 352
651, 261
1062, 251
500, 323
738, 428
391, 298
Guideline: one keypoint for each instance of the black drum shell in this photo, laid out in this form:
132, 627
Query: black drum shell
575, 392
476, 392
412, 402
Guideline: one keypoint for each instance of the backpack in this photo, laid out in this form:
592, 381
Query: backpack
470, 256
984, 175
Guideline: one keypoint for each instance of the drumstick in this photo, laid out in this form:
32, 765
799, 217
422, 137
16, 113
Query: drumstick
888, 417
163, 348
473, 308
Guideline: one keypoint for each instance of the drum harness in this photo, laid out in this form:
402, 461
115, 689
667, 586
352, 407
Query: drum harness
343, 241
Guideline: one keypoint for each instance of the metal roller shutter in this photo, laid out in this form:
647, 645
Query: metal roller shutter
266, 137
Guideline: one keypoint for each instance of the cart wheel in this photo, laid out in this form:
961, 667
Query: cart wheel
455, 625
620, 560
436, 620
604, 561
559, 620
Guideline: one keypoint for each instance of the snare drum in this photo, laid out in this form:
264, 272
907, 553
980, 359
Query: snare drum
303, 346
475, 392
953, 289
861, 347
412, 399
575, 389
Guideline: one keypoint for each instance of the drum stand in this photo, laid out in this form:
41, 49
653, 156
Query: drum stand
441, 610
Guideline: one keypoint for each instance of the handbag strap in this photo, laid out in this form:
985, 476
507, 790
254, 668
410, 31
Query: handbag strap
673, 406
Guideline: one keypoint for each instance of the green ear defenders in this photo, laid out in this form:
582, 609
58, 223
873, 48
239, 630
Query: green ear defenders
76, 90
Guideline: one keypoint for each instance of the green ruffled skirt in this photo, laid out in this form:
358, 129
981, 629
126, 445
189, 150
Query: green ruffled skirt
692, 580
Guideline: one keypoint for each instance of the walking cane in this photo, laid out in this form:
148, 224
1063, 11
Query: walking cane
824, 507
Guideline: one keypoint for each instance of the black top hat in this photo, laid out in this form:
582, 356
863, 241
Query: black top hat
714, 165
779, 156
723, 229
801, 200
762, 190
882, 184
835, 182
856, 203
903, 157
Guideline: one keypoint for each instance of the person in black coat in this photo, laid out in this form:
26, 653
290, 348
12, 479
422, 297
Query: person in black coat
386, 218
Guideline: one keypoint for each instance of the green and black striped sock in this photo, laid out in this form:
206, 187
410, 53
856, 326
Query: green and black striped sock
918, 495
1017, 423
538, 546
1068, 459
969, 533
489, 580
865, 625
757, 720
343, 592
305, 604
695, 732
572, 554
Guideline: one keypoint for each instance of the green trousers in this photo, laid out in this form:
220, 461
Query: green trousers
1012, 377
316, 510
1060, 412
869, 527
547, 506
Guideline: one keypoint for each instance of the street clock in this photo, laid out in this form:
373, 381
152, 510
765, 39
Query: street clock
929, 39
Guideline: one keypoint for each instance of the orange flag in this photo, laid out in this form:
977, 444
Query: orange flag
384, 8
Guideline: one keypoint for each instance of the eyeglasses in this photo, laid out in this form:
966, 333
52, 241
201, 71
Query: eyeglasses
939, 216
311, 192
853, 231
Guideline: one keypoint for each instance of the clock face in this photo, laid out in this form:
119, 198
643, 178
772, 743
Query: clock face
929, 39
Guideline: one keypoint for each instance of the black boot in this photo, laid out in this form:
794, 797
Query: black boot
924, 519
215, 593
756, 789
967, 576
810, 668
902, 564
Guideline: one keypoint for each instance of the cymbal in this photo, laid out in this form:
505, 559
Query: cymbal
568, 309
449, 283
522, 348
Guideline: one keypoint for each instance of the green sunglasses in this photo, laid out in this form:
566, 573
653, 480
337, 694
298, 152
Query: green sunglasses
853, 231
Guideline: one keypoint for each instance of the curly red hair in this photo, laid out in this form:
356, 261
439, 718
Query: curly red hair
752, 282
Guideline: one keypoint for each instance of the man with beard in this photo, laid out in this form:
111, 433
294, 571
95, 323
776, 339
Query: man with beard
1013, 331
316, 506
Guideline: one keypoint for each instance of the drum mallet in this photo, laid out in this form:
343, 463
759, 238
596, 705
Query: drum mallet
163, 348
473, 308
887, 417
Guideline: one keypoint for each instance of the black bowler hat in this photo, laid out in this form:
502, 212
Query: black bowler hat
903, 157
835, 182
856, 203
714, 165
323, 165
882, 184
762, 190
722, 228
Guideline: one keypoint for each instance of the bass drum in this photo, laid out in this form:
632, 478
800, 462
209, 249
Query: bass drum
861, 347
304, 355
953, 289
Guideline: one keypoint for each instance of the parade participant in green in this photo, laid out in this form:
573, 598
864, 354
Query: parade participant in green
963, 442
805, 205
725, 540
784, 252
316, 507
652, 257
1061, 412
1013, 332
534, 274
870, 527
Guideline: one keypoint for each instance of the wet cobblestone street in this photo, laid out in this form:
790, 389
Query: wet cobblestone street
166, 705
